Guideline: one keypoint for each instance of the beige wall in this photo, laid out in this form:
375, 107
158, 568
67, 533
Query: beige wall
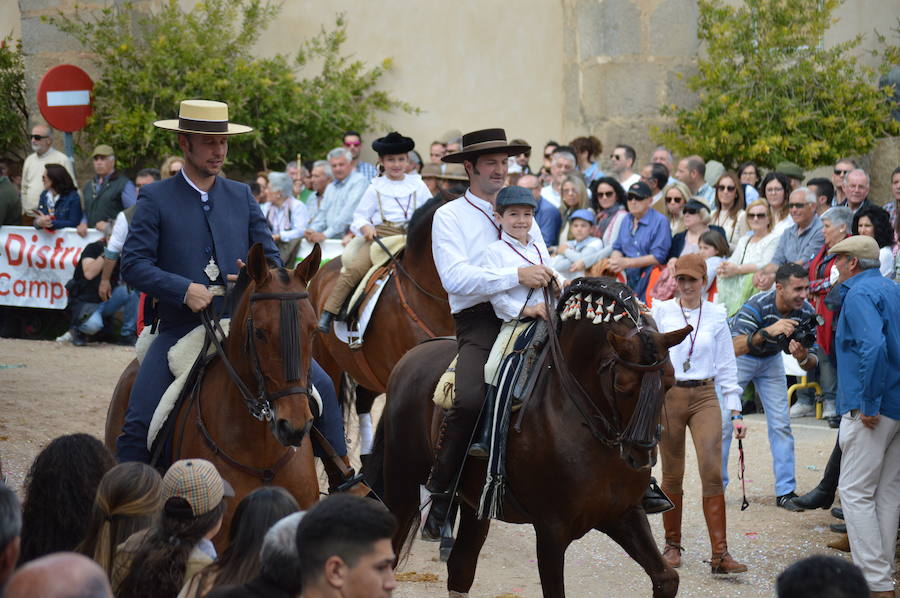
467, 65
10, 19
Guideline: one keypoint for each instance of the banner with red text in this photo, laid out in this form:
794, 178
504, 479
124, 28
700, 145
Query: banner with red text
35, 265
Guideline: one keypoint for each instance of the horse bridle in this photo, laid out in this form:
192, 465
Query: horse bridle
610, 433
260, 404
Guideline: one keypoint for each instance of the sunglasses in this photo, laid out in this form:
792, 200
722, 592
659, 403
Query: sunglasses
173, 172
691, 211
674, 199
352, 143
606, 194
759, 215
615, 157
636, 198
798, 206
39, 137
840, 172
726, 187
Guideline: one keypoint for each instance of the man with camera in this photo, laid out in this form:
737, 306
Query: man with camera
769, 323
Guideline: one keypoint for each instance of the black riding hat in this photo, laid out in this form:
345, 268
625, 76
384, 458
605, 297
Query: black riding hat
393, 143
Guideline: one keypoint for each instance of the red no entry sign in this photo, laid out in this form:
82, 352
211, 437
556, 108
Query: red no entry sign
64, 97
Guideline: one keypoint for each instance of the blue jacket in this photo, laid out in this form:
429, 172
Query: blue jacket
173, 235
549, 220
867, 345
66, 212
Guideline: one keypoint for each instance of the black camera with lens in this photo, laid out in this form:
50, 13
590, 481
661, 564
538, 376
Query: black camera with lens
804, 333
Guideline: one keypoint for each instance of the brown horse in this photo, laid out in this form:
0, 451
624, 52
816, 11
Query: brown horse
270, 348
581, 459
413, 307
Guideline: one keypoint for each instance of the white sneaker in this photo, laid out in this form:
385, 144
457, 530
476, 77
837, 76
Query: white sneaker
802, 410
64, 338
828, 409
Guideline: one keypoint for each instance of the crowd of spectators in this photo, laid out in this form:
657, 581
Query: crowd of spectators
98, 531
767, 238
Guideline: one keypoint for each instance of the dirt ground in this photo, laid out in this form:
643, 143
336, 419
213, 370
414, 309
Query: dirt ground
48, 389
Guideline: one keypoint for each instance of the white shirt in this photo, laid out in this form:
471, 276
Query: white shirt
396, 200
713, 354
501, 253
634, 178
288, 220
118, 235
33, 172
551, 195
460, 234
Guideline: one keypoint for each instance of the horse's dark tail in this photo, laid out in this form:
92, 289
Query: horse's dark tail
373, 468
373, 471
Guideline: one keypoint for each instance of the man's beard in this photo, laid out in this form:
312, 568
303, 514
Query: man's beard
37, 147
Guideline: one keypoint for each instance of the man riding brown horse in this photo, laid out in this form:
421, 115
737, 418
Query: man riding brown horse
188, 237
461, 231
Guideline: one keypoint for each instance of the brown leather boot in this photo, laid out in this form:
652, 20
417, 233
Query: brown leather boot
672, 526
842, 543
721, 562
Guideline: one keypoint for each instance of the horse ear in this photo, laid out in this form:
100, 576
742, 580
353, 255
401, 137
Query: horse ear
670, 339
309, 266
257, 266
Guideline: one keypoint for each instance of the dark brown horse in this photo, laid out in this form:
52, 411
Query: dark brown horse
582, 458
412, 308
217, 423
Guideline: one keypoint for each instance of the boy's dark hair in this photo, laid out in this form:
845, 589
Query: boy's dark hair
340, 525
151, 172
660, 174
789, 270
821, 576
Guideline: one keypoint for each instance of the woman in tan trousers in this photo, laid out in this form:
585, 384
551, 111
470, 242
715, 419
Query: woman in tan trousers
704, 360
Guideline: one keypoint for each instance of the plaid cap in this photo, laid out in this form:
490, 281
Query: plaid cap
197, 482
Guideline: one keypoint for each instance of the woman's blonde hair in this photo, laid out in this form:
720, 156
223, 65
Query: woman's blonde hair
165, 171
764, 204
128, 498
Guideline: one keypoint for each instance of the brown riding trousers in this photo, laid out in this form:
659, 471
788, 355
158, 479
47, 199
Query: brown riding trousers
696, 408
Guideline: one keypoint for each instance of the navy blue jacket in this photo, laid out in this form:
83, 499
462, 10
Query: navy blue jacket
173, 235
66, 212
678, 240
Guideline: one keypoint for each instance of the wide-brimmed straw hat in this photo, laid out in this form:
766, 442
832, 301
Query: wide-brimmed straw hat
485, 141
204, 117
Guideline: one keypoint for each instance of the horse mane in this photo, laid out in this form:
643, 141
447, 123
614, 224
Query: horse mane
601, 288
419, 230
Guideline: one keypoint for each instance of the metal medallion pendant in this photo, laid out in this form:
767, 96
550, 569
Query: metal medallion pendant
212, 270
687, 364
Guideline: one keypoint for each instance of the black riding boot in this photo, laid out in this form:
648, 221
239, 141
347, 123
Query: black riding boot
437, 515
481, 446
325, 322
655, 500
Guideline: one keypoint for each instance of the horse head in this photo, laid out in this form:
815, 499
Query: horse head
272, 330
627, 377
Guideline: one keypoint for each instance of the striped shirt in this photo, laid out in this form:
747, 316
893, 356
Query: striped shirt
759, 312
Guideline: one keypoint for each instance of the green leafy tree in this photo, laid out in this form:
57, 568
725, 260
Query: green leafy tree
149, 61
769, 90
13, 110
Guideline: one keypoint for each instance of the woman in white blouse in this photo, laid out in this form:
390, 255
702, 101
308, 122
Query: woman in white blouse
703, 361
286, 215
753, 251
728, 212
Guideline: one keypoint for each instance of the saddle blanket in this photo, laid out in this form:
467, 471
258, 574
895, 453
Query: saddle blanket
445, 391
363, 306
181, 358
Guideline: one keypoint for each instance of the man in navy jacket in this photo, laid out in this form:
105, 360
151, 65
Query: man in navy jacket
187, 236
